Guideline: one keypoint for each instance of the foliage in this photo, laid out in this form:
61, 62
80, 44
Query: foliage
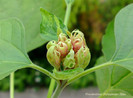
117, 78
50, 21
12, 47
34, 20
28, 12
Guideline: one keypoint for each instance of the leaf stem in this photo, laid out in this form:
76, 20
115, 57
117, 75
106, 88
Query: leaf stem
88, 71
12, 85
67, 14
51, 88
44, 71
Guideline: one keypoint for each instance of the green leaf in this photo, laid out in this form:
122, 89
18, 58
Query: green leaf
117, 79
123, 55
51, 26
108, 41
123, 81
103, 76
67, 74
28, 11
13, 54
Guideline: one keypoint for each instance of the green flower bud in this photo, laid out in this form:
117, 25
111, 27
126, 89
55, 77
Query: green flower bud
69, 45
77, 44
62, 37
77, 34
69, 61
87, 57
53, 57
51, 43
77, 39
70, 51
62, 48
82, 57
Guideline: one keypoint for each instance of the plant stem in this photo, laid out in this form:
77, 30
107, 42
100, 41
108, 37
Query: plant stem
52, 83
57, 91
12, 85
51, 88
88, 71
68, 11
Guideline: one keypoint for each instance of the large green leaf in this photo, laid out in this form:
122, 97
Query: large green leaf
13, 54
103, 76
117, 79
109, 40
123, 55
106, 77
28, 11
51, 26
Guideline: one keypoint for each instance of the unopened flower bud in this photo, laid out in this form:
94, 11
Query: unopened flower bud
62, 48
77, 33
77, 39
53, 57
82, 57
69, 61
69, 52
69, 45
51, 43
87, 57
77, 44
62, 37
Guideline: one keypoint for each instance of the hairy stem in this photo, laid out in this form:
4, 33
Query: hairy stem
12, 85
88, 71
51, 87
68, 11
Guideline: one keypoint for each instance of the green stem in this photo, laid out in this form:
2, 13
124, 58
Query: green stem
51, 88
68, 11
57, 91
88, 71
44, 71
12, 85
52, 83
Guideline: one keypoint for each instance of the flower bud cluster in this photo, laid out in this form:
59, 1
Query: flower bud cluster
69, 51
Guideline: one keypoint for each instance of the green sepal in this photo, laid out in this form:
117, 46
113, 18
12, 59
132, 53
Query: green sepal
67, 74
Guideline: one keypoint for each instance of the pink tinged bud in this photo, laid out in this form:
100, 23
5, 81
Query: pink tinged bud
69, 61
62, 37
77, 44
62, 48
69, 45
77, 39
77, 33
51, 43
82, 57
53, 57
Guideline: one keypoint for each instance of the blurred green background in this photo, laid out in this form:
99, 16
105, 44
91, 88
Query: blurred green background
89, 16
